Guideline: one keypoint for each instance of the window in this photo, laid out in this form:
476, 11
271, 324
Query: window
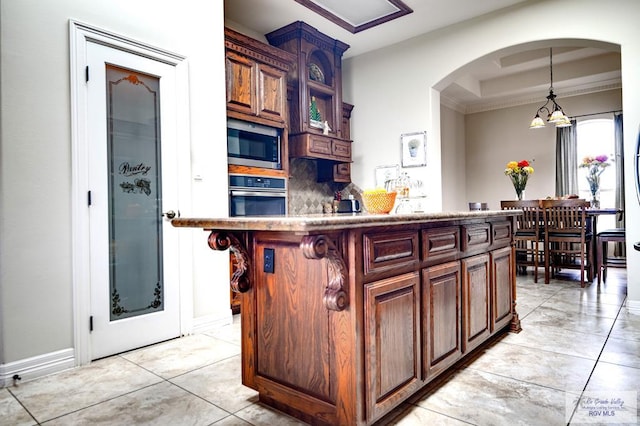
597, 137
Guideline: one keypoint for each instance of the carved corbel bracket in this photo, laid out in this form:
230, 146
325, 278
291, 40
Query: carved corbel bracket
319, 247
219, 240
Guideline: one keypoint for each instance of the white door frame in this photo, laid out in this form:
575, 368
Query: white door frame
79, 35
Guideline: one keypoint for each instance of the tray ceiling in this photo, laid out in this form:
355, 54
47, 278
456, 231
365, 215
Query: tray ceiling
358, 15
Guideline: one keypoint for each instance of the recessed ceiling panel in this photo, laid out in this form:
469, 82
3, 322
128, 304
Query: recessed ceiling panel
358, 15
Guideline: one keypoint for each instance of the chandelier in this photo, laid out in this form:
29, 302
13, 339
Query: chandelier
554, 113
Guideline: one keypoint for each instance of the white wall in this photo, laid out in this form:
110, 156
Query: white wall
393, 86
454, 163
36, 311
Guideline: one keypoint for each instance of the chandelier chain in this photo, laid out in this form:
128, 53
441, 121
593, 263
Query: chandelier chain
554, 112
551, 66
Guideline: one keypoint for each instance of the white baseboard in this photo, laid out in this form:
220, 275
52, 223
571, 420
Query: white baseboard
633, 304
37, 366
54, 362
209, 322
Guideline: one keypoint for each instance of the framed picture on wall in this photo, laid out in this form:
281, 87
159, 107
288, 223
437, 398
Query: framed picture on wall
385, 174
414, 149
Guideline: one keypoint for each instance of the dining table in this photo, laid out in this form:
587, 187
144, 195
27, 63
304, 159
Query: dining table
592, 215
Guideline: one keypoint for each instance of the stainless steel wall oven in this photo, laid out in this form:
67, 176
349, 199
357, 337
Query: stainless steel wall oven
251, 195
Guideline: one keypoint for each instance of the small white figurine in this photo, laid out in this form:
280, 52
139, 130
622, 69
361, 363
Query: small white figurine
326, 128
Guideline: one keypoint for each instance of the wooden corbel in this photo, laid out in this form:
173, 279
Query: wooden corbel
320, 247
220, 240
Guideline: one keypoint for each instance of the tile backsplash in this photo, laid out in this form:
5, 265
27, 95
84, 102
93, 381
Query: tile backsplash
306, 195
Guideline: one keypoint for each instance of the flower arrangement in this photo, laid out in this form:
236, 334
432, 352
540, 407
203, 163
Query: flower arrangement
518, 172
595, 167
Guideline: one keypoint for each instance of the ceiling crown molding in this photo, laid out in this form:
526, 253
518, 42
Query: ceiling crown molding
529, 99
400, 8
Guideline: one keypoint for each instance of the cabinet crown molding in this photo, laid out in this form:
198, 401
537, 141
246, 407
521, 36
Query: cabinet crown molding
304, 31
257, 50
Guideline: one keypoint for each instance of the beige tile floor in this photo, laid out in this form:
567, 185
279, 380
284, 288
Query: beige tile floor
574, 342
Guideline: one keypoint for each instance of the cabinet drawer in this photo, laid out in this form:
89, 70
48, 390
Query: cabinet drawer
341, 149
341, 172
343, 169
501, 233
387, 251
320, 145
329, 171
476, 237
440, 244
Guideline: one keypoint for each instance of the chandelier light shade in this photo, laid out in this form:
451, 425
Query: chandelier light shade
550, 110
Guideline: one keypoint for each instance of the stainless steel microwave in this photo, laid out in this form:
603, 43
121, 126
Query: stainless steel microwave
253, 145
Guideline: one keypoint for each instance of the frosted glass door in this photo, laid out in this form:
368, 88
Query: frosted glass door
133, 176
135, 201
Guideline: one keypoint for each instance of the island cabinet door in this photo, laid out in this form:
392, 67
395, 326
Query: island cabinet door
392, 342
288, 346
476, 323
501, 288
441, 320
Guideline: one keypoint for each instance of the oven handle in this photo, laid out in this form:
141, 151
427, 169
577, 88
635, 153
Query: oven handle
257, 194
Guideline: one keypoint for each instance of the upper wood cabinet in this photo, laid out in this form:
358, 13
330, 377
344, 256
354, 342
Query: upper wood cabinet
316, 78
256, 79
318, 120
339, 172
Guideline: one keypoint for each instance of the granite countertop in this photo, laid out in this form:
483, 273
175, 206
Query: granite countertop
322, 222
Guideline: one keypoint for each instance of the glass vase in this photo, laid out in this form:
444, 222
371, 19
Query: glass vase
594, 188
519, 182
520, 193
595, 198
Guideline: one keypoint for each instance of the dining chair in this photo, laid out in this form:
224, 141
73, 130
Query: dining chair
566, 237
602, 256
528, 234
478, 206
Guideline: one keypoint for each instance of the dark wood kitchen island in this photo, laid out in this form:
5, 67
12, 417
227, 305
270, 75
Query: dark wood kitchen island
345, 316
